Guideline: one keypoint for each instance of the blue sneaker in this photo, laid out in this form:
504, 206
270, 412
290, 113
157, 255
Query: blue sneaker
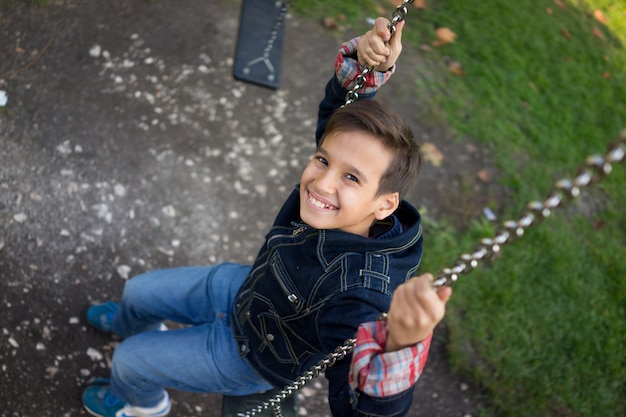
101, 316
99, 401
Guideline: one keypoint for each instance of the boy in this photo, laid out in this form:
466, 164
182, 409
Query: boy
341, 245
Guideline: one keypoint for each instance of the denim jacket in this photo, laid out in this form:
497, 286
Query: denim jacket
309, 290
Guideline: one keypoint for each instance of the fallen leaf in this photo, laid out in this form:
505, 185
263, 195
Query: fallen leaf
484, 175
444, 37
599, 16
431, 154
560, 4
420, 4
549, 11
19, 50
455, 68
606, 75
566, 34
330, 23
597, 33
426, 48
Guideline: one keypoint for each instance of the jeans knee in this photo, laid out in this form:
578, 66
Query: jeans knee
125, 360
135, 288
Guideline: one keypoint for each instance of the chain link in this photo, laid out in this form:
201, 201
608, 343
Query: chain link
594, 169
399, 14
274, 403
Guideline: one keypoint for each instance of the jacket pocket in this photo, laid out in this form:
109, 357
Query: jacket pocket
293, 296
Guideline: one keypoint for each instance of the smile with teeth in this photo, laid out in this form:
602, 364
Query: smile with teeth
320, 204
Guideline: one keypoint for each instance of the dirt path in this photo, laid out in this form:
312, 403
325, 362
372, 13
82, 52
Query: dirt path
127, 146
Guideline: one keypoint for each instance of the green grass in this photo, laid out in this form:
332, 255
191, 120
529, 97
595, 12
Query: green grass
542, 328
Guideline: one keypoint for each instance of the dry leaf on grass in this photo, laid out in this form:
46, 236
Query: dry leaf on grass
444, 37
455, 68
560, 4
431, 154
484, 175
597, 33
599, 16
566, 34
418, 4
331, 23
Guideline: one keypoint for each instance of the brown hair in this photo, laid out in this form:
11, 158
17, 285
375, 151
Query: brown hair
380, 121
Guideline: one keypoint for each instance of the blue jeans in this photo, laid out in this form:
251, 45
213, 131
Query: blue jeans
201, 357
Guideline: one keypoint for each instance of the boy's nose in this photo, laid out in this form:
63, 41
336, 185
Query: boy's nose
326, 182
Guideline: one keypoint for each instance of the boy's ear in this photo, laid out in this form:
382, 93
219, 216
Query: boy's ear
388, 204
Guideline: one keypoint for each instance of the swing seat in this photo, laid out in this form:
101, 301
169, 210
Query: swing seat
258, 55
232, 406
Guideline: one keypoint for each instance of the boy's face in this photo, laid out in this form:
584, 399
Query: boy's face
338, 187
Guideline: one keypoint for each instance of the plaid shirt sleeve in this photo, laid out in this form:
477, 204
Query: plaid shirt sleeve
381, 374
347, 68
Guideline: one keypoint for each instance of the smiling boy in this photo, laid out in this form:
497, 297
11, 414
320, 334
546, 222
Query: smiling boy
339, 188
342, 250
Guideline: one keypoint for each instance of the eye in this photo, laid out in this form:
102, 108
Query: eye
322, 160
352, 178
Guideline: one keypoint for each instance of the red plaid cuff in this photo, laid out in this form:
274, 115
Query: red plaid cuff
348, 68
381, 374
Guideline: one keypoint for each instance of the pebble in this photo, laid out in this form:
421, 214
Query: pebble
94, 354
95, 51
123, 271
20, 217
51, 371
119, 190
64, 148
169, 211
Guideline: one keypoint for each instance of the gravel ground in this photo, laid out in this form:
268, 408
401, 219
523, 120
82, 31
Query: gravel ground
127, 146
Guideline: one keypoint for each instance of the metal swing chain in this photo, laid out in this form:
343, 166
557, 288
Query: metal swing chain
592, 171
398, 16
274, 403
